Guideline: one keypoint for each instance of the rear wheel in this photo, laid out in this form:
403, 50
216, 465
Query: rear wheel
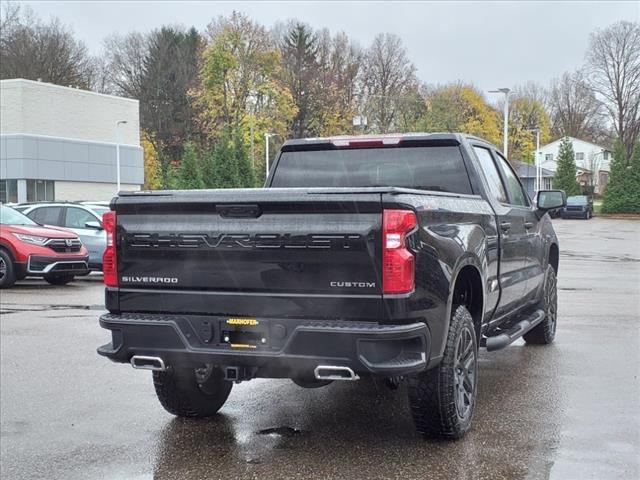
442, 400
545, 331
58, 279
189, 392
7, 270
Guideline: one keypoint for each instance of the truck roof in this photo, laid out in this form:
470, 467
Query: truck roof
380, 140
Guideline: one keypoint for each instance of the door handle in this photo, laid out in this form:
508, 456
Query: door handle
528, 225
505, 226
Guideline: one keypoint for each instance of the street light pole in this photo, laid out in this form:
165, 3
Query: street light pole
118, 123
267, 136
505, 132
537, 158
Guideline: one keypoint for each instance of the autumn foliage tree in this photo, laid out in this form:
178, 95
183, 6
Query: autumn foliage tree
152, 168
459, 107
527, 113
241, 84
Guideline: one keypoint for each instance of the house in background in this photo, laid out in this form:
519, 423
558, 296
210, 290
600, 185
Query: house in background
527, 174
593, 162
59, 143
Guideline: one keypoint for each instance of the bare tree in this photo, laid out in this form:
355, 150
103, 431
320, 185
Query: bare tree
124, 57
9, 16
388, 77
613, 61
35, 50
575, 111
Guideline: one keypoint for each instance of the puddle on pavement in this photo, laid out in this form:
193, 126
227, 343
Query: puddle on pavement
598, 257
283, 432
12, 308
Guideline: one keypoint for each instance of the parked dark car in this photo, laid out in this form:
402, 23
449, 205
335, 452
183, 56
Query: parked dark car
578, 206
395, 257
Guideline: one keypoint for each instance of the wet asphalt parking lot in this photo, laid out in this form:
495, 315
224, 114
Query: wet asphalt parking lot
567, 411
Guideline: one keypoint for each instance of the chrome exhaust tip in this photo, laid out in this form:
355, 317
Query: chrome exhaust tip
142, 362
329, 372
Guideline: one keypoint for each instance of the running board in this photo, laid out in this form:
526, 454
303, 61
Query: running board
507, 337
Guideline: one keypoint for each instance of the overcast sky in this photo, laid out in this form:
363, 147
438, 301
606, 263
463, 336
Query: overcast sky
492, 44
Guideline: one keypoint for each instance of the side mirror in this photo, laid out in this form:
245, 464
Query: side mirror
550, 199
94, 225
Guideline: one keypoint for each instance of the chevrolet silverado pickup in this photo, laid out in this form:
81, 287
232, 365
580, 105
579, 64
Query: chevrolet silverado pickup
394, 257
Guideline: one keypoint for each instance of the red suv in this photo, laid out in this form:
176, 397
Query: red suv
29, 249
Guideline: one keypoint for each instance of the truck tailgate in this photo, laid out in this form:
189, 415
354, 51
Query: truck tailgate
302, 253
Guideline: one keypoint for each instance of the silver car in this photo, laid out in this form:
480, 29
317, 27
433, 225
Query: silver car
84, 219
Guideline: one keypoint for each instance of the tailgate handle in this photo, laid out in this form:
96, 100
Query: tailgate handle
239, 211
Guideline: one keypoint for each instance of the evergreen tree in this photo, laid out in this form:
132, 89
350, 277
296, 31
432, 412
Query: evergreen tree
209, 169
225, 172
299, 49
246, 174
565, 177
189, 175
622, 194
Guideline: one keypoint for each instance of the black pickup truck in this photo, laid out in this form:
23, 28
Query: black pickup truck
395, 257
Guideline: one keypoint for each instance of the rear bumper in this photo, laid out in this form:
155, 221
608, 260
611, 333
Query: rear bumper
573, 213
290, 349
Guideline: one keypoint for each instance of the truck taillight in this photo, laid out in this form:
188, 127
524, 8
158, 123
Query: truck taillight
398, 262
110, 258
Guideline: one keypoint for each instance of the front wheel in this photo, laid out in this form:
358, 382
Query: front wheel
7, 270
58, 279
189, 392
442, 400
545, 331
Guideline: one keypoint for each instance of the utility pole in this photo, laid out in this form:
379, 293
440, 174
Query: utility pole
505, 132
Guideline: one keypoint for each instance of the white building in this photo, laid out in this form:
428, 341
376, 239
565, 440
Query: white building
59, 143
592, 161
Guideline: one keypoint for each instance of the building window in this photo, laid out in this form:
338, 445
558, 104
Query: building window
548, 157
546, 183
579, 156
605, 155
8, 191
41, 191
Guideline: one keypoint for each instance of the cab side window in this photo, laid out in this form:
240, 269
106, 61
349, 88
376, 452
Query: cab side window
516, 192
491, 173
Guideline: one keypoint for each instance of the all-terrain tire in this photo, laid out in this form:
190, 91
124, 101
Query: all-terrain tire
181, 394
54, 279
438, 406
545, 331
7, 270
